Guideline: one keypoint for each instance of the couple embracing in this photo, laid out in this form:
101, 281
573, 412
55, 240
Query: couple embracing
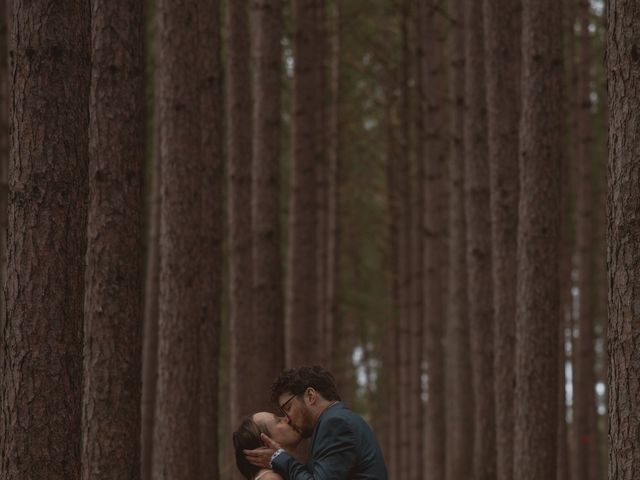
343, 445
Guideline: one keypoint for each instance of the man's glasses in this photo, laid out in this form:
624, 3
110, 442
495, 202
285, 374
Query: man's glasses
284, 405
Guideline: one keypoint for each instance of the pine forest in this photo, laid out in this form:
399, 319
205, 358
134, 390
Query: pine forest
435, 200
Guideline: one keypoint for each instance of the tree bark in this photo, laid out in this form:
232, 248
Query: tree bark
176, 434
538, 308
623, 203
585, 428
212, 230
41, 384
331, 340
502, 29
478, 218
435, 233
150, 329
5, 11
245, 364
268, 286
302, 342
459, 414
113, 287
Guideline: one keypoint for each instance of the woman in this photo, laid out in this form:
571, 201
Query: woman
247, 437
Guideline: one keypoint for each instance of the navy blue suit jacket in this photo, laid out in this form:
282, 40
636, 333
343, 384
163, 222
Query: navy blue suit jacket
342, 447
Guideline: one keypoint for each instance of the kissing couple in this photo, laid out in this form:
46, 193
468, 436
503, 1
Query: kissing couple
343, 445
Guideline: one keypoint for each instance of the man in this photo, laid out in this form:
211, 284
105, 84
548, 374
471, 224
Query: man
342, 443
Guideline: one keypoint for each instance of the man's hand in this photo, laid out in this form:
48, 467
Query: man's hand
260, 457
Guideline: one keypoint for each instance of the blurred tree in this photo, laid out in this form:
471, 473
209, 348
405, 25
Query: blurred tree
538, 308
502, 24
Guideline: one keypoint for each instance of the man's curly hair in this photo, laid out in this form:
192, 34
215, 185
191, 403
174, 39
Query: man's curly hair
297, 380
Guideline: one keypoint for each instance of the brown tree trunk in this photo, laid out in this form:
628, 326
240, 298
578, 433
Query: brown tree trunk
114, 263
150, 329
176, 432
390, 443
435, 206
321, 139
502, 29
41, 385
302, 343
245, 364
4, 150
212, 230
585, 429
459, 413
478, 217
333, 207
538, 307
268, 286
623, 203
403, 446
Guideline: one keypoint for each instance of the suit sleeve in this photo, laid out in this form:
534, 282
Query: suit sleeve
333, 456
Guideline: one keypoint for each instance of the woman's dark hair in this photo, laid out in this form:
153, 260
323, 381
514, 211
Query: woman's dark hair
297, 380
247, 437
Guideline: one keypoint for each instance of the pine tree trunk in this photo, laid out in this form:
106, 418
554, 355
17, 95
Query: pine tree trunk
478, 217
245, 364
390, 443
502, 28
212, 231
321, 140
41, 385
4, 150
114, 264
150, 330
435, 233
538, 307
176, 433
459, 413
623, 203
302, 343
334, 175
404, 191
585, 429
268, 286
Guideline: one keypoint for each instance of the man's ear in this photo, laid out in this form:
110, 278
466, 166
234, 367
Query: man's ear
311, 395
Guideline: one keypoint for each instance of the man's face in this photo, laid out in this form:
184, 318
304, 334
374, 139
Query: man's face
298, 413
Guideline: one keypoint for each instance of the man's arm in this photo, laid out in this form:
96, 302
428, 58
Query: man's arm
333, 456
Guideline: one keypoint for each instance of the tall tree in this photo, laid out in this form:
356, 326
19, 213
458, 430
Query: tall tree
113, 288
391, 358
4, 148
459, 413
478, 218
244, 361
331, 340
268, 286
623, 203
150, 328
302, 345
321, 140
502, 29
212, 230
538, 309
41, 384
584, 400
436, 191
176, 430
152, 266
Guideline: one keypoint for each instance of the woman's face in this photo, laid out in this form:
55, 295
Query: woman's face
279, 429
